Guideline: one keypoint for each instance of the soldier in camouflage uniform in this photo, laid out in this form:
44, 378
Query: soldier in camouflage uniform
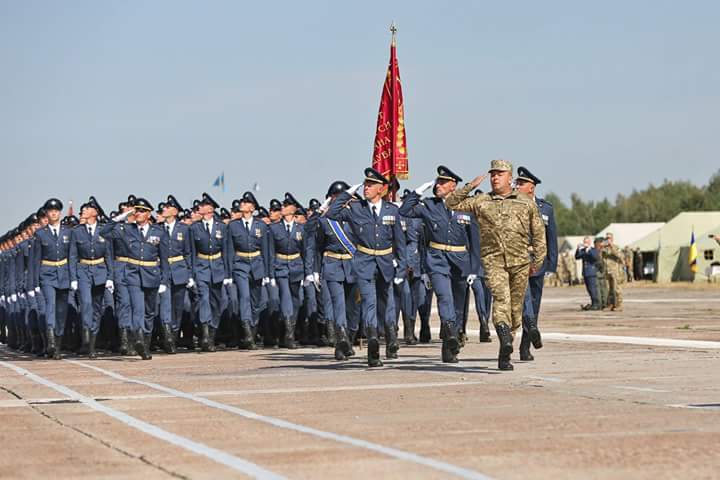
601, 266
508, 220
615, 261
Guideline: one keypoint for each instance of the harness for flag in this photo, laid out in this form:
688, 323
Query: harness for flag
390, 150
220, 181
692, 256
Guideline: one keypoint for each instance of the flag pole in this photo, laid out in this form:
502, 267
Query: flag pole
393, 92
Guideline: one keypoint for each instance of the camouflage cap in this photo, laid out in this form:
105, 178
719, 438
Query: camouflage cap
501, 165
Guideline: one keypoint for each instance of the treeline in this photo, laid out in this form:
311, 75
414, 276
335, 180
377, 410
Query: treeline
654, 204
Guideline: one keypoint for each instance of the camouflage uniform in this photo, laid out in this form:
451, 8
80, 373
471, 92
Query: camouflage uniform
602, 281
506, 226
615, 261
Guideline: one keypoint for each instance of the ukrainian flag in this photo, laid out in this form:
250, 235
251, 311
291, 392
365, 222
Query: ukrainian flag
692, 257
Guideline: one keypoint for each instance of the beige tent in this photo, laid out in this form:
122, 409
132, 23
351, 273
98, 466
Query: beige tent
708, 258
666, 250
627, 233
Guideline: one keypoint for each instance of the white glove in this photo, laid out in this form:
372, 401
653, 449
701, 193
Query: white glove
123, 216
471, 278
309, 279
398, 281
316, 277
422, 188
2, 298
13, 298
326, 204
31, 294
190, 283
37, 289
265, 281
110, 285
395, 263
227, 281
426, 280
21, 295
74, 285
162, 289
273, 283
354, 188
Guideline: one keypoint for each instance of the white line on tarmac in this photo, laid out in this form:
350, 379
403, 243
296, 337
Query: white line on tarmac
635, 300
655, 342
649, 341
226, 393
356, 442
236, 463
641, 389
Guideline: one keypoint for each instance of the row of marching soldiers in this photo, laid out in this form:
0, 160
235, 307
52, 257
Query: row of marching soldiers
328, 275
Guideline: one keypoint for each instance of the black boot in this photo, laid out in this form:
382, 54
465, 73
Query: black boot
506, 347
91, 346
211, 339
534, 333
58, 347
391, 343
451, 344
147, 339
525, 354
351, 341
425, 336
484, 331
247, 340
168, 340
409, 333
205, 337
342, 345
373, 348
85, 341
289, 338
124, 342
140, 345
331, 334
44, 344
35, 342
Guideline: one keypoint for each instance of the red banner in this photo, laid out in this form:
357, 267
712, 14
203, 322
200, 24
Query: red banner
390, 152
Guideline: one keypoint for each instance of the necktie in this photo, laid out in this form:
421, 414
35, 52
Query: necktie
90, 232
288, 228
374, 210
247, 227
167, 229
207, 227
55, 233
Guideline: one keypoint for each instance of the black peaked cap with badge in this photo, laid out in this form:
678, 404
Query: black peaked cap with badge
525, 174
444, 173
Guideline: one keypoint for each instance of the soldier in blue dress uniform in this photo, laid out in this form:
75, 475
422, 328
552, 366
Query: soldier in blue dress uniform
452, 254
526, 182
332, 244
51, 260
180, 263
211, 268
380, 256
248, 241
90, 272
287, 249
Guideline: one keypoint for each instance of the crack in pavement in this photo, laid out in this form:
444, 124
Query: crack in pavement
89, 435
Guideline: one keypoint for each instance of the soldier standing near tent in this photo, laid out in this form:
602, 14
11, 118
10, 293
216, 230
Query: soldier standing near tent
615, 261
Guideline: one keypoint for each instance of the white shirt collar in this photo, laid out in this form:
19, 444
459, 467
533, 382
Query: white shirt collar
209, 223
170, 226
290, 224
377, 205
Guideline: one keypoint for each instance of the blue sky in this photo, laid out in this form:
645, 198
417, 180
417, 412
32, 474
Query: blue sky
109, 98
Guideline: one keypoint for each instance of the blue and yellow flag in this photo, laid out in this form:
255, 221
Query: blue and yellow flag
692, 257
220, 181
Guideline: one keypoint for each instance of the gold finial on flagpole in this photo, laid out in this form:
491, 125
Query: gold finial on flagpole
393, 30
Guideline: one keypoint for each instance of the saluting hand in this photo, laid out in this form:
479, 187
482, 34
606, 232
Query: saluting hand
477, 180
